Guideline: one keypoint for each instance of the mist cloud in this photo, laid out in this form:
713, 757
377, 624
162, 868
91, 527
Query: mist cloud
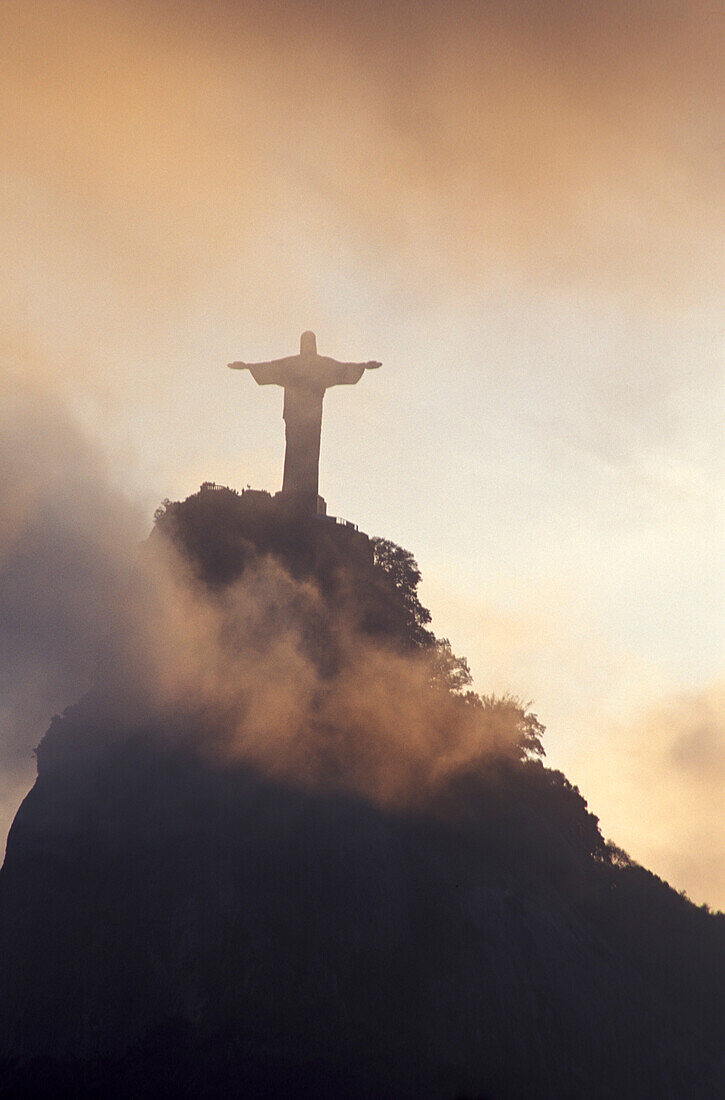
575, 140
371, 160
258, 672
67, 542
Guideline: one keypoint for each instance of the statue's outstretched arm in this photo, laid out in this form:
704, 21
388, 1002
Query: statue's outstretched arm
265, 374
372, 364
347, 374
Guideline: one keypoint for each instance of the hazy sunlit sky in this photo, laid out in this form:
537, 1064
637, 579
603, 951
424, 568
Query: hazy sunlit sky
517, 207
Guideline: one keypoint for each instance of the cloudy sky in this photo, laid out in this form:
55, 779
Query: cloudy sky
516, 206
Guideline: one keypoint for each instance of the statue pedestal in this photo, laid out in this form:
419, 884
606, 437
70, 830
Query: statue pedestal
302, 502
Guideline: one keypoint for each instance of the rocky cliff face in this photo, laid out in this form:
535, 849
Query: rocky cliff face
176, 920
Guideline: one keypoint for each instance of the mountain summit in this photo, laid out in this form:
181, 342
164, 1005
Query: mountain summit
281, 848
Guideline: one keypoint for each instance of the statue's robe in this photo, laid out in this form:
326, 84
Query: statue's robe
305, 379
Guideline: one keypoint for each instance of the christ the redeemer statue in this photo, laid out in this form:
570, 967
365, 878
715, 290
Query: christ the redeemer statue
305, 377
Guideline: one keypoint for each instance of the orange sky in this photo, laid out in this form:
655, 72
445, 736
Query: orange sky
516, 206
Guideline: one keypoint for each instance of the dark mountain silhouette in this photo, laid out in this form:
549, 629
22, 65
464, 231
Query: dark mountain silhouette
281, 849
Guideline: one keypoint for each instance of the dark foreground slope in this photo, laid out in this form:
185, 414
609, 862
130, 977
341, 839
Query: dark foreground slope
181, 919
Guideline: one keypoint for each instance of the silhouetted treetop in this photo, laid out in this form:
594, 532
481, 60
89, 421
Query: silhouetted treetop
371, 582
402, 569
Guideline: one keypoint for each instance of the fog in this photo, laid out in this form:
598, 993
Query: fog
67, 542
266, 672
241, 662
519, 200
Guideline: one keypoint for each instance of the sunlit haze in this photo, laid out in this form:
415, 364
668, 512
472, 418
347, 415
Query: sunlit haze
516, 207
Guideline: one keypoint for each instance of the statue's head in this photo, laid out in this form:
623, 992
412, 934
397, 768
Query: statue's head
308, 344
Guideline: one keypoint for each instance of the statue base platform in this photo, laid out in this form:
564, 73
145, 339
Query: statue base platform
302, 502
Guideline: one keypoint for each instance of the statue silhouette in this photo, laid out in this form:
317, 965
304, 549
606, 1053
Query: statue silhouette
305, 377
